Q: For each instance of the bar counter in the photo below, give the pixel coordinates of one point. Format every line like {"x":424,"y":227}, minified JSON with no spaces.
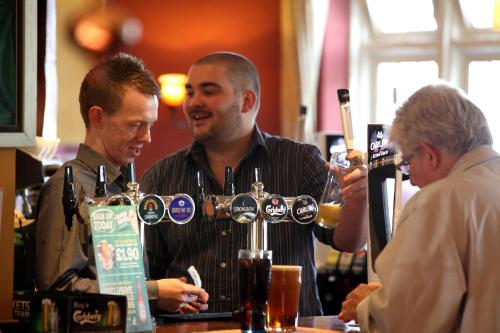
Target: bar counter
{"x":306,"y":324}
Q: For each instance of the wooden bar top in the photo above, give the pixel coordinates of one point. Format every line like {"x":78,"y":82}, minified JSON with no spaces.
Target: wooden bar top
{"x":326,"y":324}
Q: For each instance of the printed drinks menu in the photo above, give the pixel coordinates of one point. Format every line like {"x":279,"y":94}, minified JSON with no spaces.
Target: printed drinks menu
{"x":119,"y":261}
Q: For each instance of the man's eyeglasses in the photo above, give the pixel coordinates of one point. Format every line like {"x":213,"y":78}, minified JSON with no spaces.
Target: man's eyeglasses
{"x":404,"y":165}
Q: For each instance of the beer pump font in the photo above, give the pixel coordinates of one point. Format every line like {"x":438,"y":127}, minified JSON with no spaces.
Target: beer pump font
{"x":151,"y":208}
{"x":257,"y":208}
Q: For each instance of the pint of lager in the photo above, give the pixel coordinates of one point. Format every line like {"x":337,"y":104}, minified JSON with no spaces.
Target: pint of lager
{"x":283,"y":302}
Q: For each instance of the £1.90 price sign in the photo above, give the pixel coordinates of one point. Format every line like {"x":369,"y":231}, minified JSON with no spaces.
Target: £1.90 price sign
{"x":127,"y":254}
{"x":120,"y":267}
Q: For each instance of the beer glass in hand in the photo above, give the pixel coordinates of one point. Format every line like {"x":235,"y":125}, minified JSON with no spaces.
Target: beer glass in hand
{"x":284,"y":295}
{"x":343,"y":165}
{"x":255,"y":274}
{"x":331,"y":202}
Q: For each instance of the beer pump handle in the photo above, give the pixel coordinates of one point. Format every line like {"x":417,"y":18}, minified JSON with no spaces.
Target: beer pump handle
{"x":69,"y":198}
{"x":199,"y":195}
{"x":345,"y":114}
{"x":257,"y":175}
{"x":100,"y":184}
{"x":130,"y":172}
{"x":229,"y":181}
{"x":199,"y":179}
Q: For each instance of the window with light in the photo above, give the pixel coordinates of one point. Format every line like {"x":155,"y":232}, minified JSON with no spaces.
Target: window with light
{"x":397,"y":46}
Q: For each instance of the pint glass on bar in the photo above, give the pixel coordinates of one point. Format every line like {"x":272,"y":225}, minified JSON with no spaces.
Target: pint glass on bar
{"x":45,"y":314}
{"x":283,"y":302}
{"x":254,"y":274}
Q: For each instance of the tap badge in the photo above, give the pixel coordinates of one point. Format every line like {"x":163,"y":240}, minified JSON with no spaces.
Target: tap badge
{"x":181,"y":209}
{"x":304,"y":209}
{"x":151,"y":209}
{"x":274,"y":208}
{"x":244,"y":208}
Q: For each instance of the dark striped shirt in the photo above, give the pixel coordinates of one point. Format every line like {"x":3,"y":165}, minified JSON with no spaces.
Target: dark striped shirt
{"x":287,"y":168}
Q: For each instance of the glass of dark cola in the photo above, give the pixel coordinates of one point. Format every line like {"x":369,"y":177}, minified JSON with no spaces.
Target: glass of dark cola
{"x":254,"y":268}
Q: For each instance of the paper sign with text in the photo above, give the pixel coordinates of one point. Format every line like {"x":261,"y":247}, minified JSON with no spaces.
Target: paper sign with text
{"x":119,"y":261}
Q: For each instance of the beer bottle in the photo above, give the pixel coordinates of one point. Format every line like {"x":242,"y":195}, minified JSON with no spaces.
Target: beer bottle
{"x":141,"y":306}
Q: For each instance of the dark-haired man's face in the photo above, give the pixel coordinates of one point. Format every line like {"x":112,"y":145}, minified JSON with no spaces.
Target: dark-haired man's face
{"x":124,"y":133}
{"x":212,"y":106}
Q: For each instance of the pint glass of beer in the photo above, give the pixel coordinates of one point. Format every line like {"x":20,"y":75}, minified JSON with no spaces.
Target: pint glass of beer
{"x":254,"y":276}
{"x":283,"y":302}
{"x":331,"y":202}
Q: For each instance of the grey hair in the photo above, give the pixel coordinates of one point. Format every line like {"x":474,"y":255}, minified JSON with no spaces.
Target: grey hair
{"x":443,"y":117}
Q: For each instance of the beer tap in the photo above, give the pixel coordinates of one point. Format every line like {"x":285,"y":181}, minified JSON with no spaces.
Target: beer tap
{"x":258,"y":207}
{"x":131,"y":196}
{"x":257,"y":233}
{"x":130,"y":173}
{"x":134,"y":194}
{"x":229,"y":189}
{"x":257,"y":175}
{"x":229,"y":181}
{"x":69,"y":198}
{"x":151,"y":208}
{"x":178,"y":208}
{"x":71,"y":206}
{"x":199,"y":196}
{"x":218,"y":207}
{"x":132,"y":185}
{"x":100,"y":185}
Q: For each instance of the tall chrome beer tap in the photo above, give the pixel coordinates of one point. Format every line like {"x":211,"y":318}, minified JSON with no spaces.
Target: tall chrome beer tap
{"x":257,"y":208}
{"x":257,"y":233}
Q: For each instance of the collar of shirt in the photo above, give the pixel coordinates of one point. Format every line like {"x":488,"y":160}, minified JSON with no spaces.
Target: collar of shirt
{"x":474,"y":157}
{"x":197,"y":152}
{"x":93,"y":159}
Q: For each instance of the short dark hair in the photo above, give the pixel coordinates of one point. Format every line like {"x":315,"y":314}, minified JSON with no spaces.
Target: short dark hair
{"x":104,"y":84}
{"x":241,"y":71}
